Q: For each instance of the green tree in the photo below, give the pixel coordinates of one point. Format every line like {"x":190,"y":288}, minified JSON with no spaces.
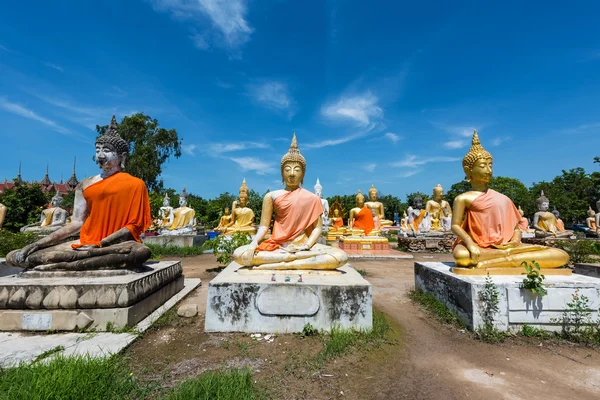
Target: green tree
{"x":411,"y":196}
{"x":511,"y":187}
{"x":150,"y":147}
{"x":456,"y":189}
{"x":597,"y":160}
{"x":391,"y":204}
{"x":24,"y":205}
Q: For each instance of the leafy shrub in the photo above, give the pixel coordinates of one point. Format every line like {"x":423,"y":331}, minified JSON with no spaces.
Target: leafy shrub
{"x":10,"y":241}
{"x":224,"y":246}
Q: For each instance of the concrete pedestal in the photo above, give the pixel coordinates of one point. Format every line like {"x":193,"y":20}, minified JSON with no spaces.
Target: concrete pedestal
{"x":460,"y":293}
{"x":588,"y":269}
{"x":441,"y":243}
{"x":243,"y":300}
{"x":176,"y":240}
{"x":41,"y":301}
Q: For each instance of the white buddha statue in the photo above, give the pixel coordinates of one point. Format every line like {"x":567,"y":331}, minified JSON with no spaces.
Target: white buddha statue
{"x":419,"y":219}
{"x":51,"y":219}
{"x":184,"y":218}
{"x":325,"y":203}
{"x":165,"y":213}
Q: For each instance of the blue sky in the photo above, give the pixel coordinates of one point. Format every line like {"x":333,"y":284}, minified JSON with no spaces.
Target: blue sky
{"x":383,"y":93}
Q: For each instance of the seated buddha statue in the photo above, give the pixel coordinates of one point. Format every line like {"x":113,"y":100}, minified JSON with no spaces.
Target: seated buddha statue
{"x":184,"y":218}
{"x":360,"y":220}
{"x":337,"y":228}
{"x":2,"y":214}
{"x":165,"y":213}
{"x":225,"y":221}
{"x":298,"y":224}
{"x":404,"y":224}
{"x":110,"y":212}
{"x":51,"y":218}
{"x":545,"y":223}
{"x":373,"y":204}
{"x":439,"y":210}
{"x":419,"y":219}
{"x":325,"y":203}
{"x":488,"y":224}
{"x":242,"y":218}
{"x":591,"y":220}
{"x":597,"y":218}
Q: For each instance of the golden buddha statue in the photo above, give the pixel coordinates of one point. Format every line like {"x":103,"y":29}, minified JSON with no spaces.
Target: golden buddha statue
{"x":439,"y":210}
{"x":404,"y":225}
{"x":298,"y":224}
{"x":184,"y":218}
{"x":487,"y":225}
{"x":2,"y":214}
{"x":591,"y":220}
{"x":373,"y":204}
{"x":560,"y":225}
{"x":242,"y":217}
{"x":51,"y":219}
{"x":225,"y":221}
{"x":337,"y":228}
{"x":165,"y":213}
{"x":545,"y":223}
{"x":597,"y":218}
{"x":360,"y":220}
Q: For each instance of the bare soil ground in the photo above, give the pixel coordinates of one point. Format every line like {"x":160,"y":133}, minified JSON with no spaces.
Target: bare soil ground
{"x":427,"y":361}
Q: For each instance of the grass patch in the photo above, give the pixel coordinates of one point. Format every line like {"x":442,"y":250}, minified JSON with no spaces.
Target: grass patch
{"x":167,"y":319}
{"x":158,"y":252}
{"x":72,"y":378}
{"x":48,"y":353}
{"x":362,"y":272}
{"x":435,"y":307}
{"x":403,"y":249}
{"x":392,"y":238}
{"x":224,"y":385}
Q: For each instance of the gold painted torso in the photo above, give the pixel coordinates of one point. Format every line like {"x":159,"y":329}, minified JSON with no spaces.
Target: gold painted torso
{"x":375,"y":205}
{"x":47,"y":214}
{"x":244,"y":217}
{"x":547,"y":221}
{"x":182,"y":217}
{"x":164,"y":215}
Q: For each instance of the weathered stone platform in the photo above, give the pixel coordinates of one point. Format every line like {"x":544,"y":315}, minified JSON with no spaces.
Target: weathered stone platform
{"x":245,"y":300}
{"x":427,"y":244}
{"x":460,"y":293}
{"x":176,"y":240}
{"x":588,"y":269}
{"x":41,"y":301}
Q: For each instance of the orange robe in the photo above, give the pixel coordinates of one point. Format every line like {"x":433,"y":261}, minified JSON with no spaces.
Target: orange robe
{"x":119,"y":201}
{"x":492,"y":219}
{"x":338,"y":223}
{"x":364,"y":220}
{"x":295,"y":211}
{"x":417,"y":221}
{"x":560,"y":225}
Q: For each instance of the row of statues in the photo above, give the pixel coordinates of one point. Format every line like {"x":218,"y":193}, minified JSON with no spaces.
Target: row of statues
{"x":241,"y":218}
{"x":178,"y":221}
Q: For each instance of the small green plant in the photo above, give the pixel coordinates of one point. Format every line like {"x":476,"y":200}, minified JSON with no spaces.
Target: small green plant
{"x":309,"y":330}
{"x":48,"y":353}
{"x":224,"y":246}
{"x":530,"y":331}
{"x":362,"y":272}
{"x":243,"y":347}
{"x":225,"y":385}
{"x":158,"y":252}
{"x":533,"y":280}
{"x":489,"y":298}
{"x":577,"y":321}
{"x":436,"y":307}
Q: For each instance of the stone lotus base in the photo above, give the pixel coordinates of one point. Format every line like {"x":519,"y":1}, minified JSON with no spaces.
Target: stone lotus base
{"x":176,"y":240}
{"x":244,"y":300}
{"x":441,"y":243}
{"x":96,"y":299}
{"x":460,"y":293}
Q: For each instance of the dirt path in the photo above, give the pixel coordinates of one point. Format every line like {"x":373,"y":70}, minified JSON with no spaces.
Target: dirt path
{"x":431,"y":361}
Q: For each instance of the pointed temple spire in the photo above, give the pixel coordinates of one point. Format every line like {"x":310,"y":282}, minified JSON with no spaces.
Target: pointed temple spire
{"x":46,"y":181}
{"x":19,"y":179}
{"x":72,"y":182}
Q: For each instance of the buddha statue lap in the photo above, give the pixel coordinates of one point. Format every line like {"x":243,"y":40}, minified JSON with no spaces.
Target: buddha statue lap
{"x":545,"y":222}
{"x":591,"y":220}
{"x":489,"y":227}
{"x":597,"y":221}
{"x":360,"y":220}
{"x":165,"y":213}
{"x":325,"y":204}
{"x":377,"y":206}
{"x":110,"y":212}
{"x":298,"y":224}
{"x":184,"y":218}
{"x":439,"y":210}
{"x":419,"y":219}
{"x":52,"y":218}
{"x":225,"y":221}
{"x":242,"y":216}
{"x":2,"y":214}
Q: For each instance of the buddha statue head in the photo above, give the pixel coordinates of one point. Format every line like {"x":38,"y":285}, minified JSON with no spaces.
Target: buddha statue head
{"x":56,"y":200}
{"x":336,"y":212}
{"x":293,"y":166}
{"x":318,"y":189}
{"x":360,"y":199}
{"x":111,"y":150}
{"x":226,"y":211}
{"x":166,"y":200}
{"x":183,"y":198}
{"x":477,"y":163}
{"x":244,"y":188}
{"x":556,"y":213}
{"x":438,"y":193}
{"x":243,"y":200}
{"x":542,"y":202}
{"x":418,"y":202}
{"x":373,"y":193}
{"x":590,"y":212}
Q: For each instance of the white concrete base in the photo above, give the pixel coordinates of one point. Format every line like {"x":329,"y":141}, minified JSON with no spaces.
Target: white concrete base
{"x":243,"y":300}
{"x":16,"y":347}
{"x":175,"y":240}
{"x":517,"y":306}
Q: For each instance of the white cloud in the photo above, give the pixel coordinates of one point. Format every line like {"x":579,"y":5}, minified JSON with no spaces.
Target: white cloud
{"x":413,"y":161}
{"x":200,"y":41}
{"x":222,"y":84}
{"x":393,"y":137}
{"x":29,"y":114}
{"x":360,"y":109}
{"x":409,"y":173}
{"x":54,"y":66}
{"x":227,"y":17}
{"x":253,"y":164}
{"x":116,"y":92}
{"x":455,"y":144}
{"x":220,"y":148}
{"x":272,"y":94}
{"x":342,"y":140}
{"x":369,"y":167}
{"x":499,"y":140}
{"x":460,"y":130}
{"x":189,"y":149}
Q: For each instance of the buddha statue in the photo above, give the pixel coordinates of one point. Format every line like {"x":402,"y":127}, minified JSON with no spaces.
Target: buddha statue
{"x":165,"y":213}
{"x":298,"y":224}
{"x":51,"y":219}
{"x":337,"y":227}
{"x":545,"y":223}
{"x":439,"y":210}
{"x":225,"y":221}
{"x":404,"y":224}
{"x":373,"y":204}
{"x":242,"y":218}
{"x":488,"y":225}
{"x":184,"y":218}
{"x":526,"y":220}
{"x":591,"y":220}
{"x":360,"y":220}
{"x":419,"y":219}
{"x":597,"y":218}
{"x":2,"y":214}
{"x":325,"y":203}
{"x":110,"y":212}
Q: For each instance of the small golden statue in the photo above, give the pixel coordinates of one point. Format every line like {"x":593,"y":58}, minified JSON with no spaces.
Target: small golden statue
{"x":488,"y":226}
{"x":165,"y":213}
{"x":298,"y":224}
{"x":591,"y":220}
{"x":597,"y":218}
{"x":2,"y":214}
{"x":242,"y":216}
{"x":184,"y":218}
{"x":337,"y":227}
{"x":439,"y":210}
{"x":225,"y":221}
{"x":377,"y":206}
{"x":360,"y":220}
{"x":545,"y":222}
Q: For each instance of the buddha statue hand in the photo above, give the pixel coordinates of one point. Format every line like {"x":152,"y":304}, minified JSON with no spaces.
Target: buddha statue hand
{"x":507,"y":245}
{"x":248,"y":255}
{"x":475,"y":252}
{"x":292,"y":248}
{"x":21,"y":255}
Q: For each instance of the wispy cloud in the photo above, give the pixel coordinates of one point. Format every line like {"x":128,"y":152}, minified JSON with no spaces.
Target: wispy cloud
{"x":360,"y":109}
{"x":392,"y":137}
{"x":455,"y":144}
{"x":18,"y":109}
{"x":274,"y":95}
{"x":459,"y":134}
{"x":220,"y":148}
{"x":253,"y":164}
{"x":222,"y":84}
{"x":413,"y":161}
{"x":230,"y":29}
{"x":116,"y":91}
{"x":335,"y":142}
{"x":408,"y":174}
{"x":499,"y":140}
{"x":54,"y":66}
{"x":369,"y":167}
{"x":595,"y":126}
{"x":189,"y":149}
{"x":200,"y":41}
